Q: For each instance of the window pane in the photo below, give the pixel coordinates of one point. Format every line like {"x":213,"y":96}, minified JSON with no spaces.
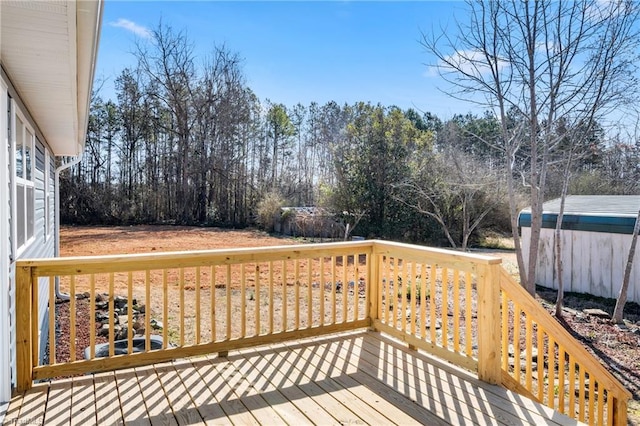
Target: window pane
{"x":20,"y":216}
{"x":28,"y":155}
{"x":19,"y":148}
{"x":30,"y":212}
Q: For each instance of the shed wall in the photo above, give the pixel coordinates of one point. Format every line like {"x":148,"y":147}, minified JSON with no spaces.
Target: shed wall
{"x":593,"y":262}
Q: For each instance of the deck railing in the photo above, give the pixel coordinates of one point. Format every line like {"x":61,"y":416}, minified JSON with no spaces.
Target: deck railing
{"x":456,"y":305}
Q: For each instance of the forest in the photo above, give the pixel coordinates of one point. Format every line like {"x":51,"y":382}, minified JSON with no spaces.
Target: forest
{"x":186,"y":141}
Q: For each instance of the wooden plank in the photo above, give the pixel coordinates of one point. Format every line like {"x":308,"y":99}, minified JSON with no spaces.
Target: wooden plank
{"x":468,"y":315}
{"x":244,"y":392}
{"x":312,"y":407}
{"x":58,"y":411}
{"x":285,"y":299}
{"x":456,"y":310}
{"x":261,"y":385}
{"x":403,"y":284}
{"x":317,"y":388}
{"x":203,"y":398}
{"x":165,"y":309}
{"x":130,"y":313}
{"x":310,"y":303}
{"x":271,"y":298}
{"x":489,"y":324}
{"x":148,"y":299}
{"x":432,"y":303}
{"x":444,"y":316}
{"x":184,"y":410}
{"x":243,"y":302}
{"x":198,"y":302}
{"x":52,"y":320}
{"x":156,"y":402}
{"x":24,"y":365}
{"x":361,"y":401}
{"x":212,"y":303}
{"x":138,"y":262}
{"x":107,"y":402}
{"x":111,"y":314}
{"x":228,"y":301}
{"x":31,"y":405}
{"x":132,"y":402}
{"x":83,"y":408}
{"x":461,"y":385}
{"x":414,"y":295}
{"x":257,"y":298}
{"x":322,"y":292}
{"x":216,"y":376}
{"x":296,"y":287}
{"x":345,"y":286}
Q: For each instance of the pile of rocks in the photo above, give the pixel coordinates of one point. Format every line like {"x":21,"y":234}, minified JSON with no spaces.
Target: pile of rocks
{"x":121,"y":309}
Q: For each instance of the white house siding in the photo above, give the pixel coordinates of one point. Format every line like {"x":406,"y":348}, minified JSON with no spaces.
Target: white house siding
{"x":5,"y":244}
{"x":594,"y":262}
{"x":40,"y":246}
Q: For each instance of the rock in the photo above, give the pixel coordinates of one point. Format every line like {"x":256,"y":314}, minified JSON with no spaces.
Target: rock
{"x":120,"y":301}
{"x":101,"y":317}
{"x":597,"y":313}
{"x":121,"y":334}
{"x":104,"y":330}
{"x":570,"y":311}
{"x":137,"y":326}
{"x":156,"y":325}
{"x":141,"y":308}
{"x":86,"y":294}
{"x":100,"y":298}
{"x":102,"y":305}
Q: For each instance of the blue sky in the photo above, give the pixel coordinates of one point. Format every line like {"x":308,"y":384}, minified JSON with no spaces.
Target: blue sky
{"x":346,"y":51}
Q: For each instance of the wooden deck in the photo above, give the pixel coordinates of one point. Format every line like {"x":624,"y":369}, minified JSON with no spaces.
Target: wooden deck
{"x":351,"y":378}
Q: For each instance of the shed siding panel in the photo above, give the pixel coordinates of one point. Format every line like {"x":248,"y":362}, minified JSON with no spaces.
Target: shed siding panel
{"x":594,"y":262}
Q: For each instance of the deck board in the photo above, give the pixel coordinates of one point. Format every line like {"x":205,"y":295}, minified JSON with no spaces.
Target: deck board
{"x":357,"y":377}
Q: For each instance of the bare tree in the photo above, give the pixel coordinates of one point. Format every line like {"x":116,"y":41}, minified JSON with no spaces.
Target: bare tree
{"x":540,"y":62}
{"x":622,"y":295}
{"x":453,"y":188}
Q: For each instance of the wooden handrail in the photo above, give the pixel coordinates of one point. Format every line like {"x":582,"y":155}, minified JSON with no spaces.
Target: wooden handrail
{"x":571,"y":347}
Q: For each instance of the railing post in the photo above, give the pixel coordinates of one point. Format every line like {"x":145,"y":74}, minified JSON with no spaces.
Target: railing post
{"x":489,"y":327}
{"x":24,"y":360}
{"x":373,"y":287}
{"x":619,"y":412}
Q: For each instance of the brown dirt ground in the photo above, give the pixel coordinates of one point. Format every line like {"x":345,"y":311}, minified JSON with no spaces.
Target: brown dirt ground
{"x":617,"y":347}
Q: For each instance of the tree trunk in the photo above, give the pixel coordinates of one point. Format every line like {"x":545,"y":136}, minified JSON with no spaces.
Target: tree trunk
{"x":622,"y":296}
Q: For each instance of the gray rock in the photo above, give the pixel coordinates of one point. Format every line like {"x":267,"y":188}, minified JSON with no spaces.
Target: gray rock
{"x":120,"y":301}
{"x":597,"y":313}
{"x":101,"y":317}
{"x":141,"y":308}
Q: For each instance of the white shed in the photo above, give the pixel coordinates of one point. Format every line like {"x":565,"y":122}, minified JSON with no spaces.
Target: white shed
{"x":596,"y":236}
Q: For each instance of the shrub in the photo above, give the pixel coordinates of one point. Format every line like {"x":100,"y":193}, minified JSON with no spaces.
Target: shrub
{"x":269,"y":209}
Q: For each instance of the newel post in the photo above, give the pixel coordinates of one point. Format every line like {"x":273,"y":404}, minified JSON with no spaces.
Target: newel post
{"x":373,"y":286}
{"x":24,"y":360}
{"x":489,"y":327}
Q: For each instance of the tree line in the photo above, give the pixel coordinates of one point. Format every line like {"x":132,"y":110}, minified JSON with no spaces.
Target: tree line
{"x":186,"y":141}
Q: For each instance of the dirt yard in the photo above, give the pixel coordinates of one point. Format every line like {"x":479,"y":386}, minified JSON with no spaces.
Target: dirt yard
{"x":618,"y":347}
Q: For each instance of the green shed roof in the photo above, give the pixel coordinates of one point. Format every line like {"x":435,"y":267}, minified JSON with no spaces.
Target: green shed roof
{"x":594,"y":213}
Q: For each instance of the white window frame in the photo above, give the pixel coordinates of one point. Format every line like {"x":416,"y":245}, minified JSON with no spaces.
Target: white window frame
{"x":22,"y":182}
{"x":47,"y":193}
